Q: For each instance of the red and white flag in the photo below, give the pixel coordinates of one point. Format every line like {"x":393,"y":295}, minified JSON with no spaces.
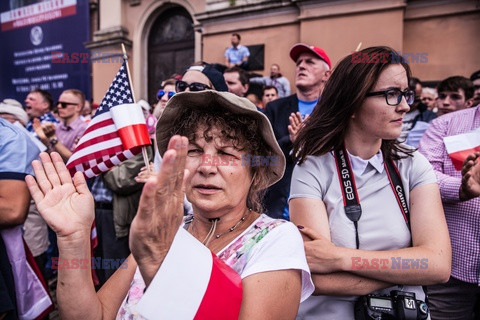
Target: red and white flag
{"x":32,"y":297}
{"x":192,"y":283}
{"x":116,"y":132}
{"x":460,"y":146}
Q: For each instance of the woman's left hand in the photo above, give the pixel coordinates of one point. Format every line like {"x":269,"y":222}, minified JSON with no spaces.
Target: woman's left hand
{"x":322,"y":255}
{"x":144,"y":173}
{"x":160,"y":211}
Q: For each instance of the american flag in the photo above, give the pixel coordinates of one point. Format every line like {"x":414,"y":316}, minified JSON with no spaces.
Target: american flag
{"x":116,"y":132}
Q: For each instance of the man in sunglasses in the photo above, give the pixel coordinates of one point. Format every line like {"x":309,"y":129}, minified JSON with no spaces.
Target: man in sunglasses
{"x":163,"y":95}
{"x":63,"y":137}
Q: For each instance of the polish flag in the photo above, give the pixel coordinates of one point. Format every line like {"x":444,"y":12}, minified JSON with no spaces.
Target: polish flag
{"x":462,"y":145}
{"x":192,"y":283}
{"x":116,"y":132}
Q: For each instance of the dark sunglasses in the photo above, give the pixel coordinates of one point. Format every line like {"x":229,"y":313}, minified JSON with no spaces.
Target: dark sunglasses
{"x":63,"y":105}
{"x":161,"y":93}
{"x":393,"y":97}
{"x":181,"y":86}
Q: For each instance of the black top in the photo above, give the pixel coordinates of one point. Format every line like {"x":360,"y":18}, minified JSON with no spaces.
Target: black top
{"x":278,"y":112}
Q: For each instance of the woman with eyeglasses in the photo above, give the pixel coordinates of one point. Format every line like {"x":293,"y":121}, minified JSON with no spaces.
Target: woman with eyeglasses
{"x":368,"y":206}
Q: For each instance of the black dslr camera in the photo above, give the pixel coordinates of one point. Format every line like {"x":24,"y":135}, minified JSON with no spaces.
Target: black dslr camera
{"x":399,"y":305}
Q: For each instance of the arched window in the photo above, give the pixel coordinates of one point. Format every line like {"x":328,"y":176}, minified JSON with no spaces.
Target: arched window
{"x":170,"y":47}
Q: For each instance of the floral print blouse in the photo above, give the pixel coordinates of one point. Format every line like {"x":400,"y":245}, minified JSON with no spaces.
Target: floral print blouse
{"x":236,"y":255}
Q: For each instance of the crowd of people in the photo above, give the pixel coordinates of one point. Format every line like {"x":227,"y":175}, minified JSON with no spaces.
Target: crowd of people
{"x":339,"y":201}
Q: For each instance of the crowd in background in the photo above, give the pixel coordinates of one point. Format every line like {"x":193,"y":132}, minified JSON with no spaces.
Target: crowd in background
{"x":307,"y":125}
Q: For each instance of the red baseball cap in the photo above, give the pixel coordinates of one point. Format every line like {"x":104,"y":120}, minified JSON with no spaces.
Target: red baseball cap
{"x":299,"y":48}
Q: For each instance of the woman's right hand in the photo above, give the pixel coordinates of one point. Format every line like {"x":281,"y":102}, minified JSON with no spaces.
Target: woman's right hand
{"x":160,"y":211}
{"x":65,"y":204}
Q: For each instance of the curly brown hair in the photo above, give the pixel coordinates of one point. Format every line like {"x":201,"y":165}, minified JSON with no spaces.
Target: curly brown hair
{"x":241,"y":130}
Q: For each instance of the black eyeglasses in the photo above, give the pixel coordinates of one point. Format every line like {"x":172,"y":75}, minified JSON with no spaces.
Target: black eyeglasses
{"x":161,"y":93}
{"x":181,"y":86}
{"x":63,"y":105}
{"x":393,"y":97}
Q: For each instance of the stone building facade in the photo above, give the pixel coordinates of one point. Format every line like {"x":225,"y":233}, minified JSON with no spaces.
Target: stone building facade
{"x":165,"y":36}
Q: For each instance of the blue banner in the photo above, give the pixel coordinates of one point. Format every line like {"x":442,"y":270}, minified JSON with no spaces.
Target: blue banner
{"x":36,"y":35}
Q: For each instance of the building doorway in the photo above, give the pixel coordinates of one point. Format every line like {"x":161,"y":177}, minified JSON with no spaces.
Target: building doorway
{"x":171,"y":45}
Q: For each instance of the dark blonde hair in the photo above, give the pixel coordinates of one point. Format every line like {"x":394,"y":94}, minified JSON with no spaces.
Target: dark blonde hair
{"x":343,"y":95}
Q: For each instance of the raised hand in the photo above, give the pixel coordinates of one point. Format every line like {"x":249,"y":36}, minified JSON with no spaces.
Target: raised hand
{"x":66,"y":205}
{"x":296,"y":124}
{"x":470,"y":187}
{"x":49,"y":129}
{"x":160,"y":211}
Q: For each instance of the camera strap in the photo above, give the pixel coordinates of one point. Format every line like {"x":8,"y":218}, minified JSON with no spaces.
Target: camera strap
{"x":351,"y":201}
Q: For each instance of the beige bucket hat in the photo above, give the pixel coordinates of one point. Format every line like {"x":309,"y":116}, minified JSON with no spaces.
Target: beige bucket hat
{"x":225,"y":100}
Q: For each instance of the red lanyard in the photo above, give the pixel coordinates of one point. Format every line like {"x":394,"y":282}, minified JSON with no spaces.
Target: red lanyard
{"x":351,"y":201}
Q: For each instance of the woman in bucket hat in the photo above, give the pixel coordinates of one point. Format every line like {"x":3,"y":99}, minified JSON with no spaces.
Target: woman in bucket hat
{"x":226,"y":261}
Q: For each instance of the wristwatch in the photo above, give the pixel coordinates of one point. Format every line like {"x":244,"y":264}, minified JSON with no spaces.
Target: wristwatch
{"x":53,"y":141}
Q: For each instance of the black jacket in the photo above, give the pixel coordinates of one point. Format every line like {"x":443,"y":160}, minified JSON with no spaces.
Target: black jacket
{"x":278,"y":112}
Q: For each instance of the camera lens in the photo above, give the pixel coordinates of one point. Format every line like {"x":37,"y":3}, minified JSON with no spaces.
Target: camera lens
{"x":423,"y":308}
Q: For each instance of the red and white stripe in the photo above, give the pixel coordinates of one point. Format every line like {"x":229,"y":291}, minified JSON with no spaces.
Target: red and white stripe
{"x":192,"y":283}
{"x":32,"y":298}
{"x":460,"y":146}
{"x":37,"y":13}
{"x":110,"y":138}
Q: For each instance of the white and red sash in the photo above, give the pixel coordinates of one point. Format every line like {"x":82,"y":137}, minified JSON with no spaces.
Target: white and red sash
{"x":208,"y":289}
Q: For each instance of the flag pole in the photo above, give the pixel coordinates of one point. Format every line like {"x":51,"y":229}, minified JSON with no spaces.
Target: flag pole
{"x":144,"y":149}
